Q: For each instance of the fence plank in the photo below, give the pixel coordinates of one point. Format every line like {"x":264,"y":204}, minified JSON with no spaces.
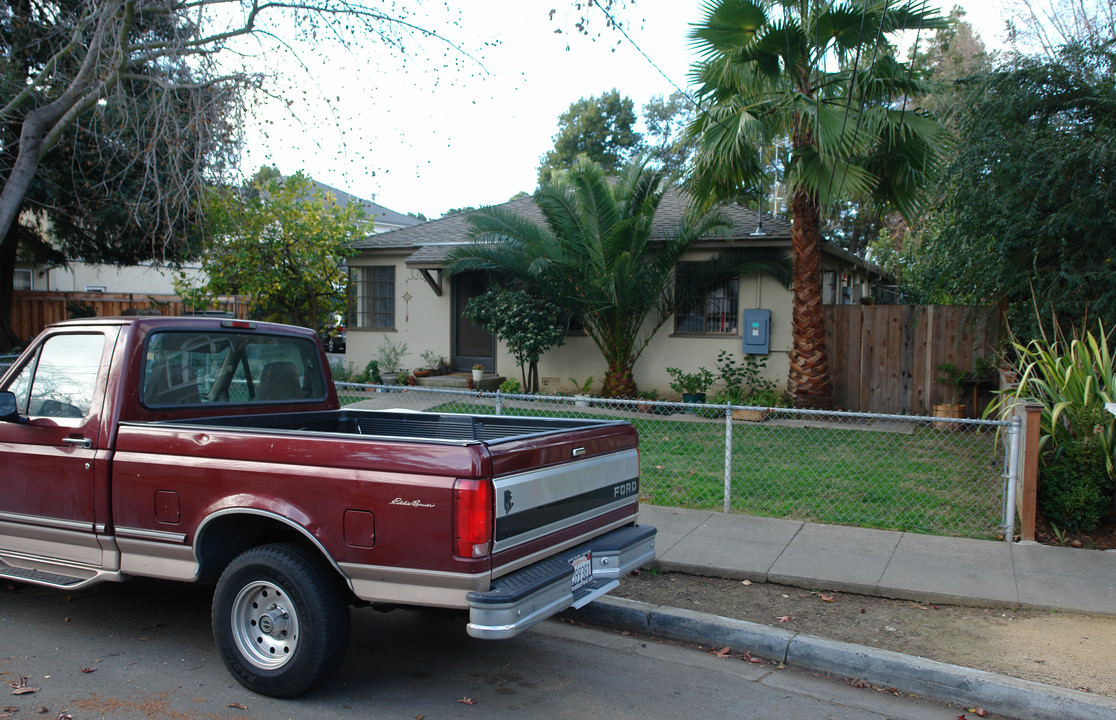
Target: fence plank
{"x":33,"y":311}
{"x":886,"y":358}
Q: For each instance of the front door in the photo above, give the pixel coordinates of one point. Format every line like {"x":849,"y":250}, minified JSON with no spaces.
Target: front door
{"x":472,"y":344}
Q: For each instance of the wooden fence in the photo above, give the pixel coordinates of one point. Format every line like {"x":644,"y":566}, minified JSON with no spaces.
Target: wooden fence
{"x":33,"y":311}
{"x":885,"y":358}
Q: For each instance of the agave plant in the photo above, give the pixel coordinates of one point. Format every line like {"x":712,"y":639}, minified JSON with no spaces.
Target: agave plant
{"x":1073,"y":379}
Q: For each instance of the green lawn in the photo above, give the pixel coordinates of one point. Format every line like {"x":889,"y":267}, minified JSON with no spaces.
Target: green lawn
{"x":927,"y":481}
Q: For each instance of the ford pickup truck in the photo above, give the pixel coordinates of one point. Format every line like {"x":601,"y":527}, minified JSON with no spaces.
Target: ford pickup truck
{"x":209,"y":450}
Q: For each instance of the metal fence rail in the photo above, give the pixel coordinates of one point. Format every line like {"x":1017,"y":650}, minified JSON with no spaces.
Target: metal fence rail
{"x":896,"y":472}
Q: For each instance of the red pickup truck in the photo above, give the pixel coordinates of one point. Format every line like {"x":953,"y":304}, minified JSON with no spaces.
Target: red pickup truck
{"x":208,"y":450}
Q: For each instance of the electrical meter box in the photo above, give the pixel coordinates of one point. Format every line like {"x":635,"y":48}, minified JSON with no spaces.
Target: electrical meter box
{"x":757,"y":332}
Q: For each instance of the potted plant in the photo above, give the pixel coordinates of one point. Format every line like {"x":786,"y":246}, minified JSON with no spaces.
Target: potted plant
{"x":763,"y":401}
{"x":951,"y":375}
{"x":649,"y":396}
{"x":581,"y":391}
{"x":389,"y":356}
{"x":478,"y":374}
{"x":433,"y":364}
{"x":691,"y":386}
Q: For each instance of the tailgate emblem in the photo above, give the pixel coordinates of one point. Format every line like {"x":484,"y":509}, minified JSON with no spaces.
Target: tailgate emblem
{"x":507,"y":501}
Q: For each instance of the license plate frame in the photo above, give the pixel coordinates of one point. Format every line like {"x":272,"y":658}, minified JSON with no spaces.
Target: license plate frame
{"x":583,"y":570}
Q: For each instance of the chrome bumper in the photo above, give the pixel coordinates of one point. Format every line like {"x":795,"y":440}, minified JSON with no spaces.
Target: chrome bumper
{"x":522,"y":598}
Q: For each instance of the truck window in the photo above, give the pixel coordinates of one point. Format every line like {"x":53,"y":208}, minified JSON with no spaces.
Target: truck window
{"x":60,"y":379}
{"x":230,"y":368}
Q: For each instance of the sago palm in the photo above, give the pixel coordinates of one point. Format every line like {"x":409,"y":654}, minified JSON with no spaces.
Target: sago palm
{"x":596,"y":256}
{"x":820,"y":77}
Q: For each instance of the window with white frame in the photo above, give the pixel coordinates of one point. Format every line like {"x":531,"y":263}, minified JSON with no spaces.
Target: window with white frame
{"x":21,"y":281}
{"x":372,"y":297}
{"x":96,"y":288}
{"x":714,"y":312}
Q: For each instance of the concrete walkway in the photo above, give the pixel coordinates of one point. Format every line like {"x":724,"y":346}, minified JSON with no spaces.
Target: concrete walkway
{"x":910,"y":566}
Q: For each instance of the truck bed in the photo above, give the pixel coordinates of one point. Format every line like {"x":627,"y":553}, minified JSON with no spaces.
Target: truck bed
{"x":406,"y":425}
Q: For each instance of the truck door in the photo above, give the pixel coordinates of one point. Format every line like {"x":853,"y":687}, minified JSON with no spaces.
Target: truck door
{"x":47,"y":504}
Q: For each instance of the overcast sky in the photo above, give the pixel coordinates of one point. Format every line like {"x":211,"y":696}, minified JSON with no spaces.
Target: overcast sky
{"x":439,"y":130}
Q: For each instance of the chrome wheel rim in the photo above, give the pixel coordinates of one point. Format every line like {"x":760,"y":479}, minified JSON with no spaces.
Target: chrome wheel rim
{"x":265,"y":625}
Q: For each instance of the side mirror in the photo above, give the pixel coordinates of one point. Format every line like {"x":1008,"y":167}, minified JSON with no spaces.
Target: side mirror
{"x":8,"y":411}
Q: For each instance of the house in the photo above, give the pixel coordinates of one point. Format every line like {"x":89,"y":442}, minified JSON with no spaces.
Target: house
{"x":153,"y":278}
{"x":398,"y":291}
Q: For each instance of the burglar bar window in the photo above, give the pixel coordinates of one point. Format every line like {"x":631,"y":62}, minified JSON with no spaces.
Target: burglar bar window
{"x":372,"y":297}
{"x":715,"y":312}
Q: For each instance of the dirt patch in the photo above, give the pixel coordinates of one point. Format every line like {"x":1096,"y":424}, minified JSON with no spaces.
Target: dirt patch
{"x":1069,"y":650}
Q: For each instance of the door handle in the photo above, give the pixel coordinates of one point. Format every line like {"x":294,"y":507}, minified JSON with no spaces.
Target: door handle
{"x":78,"y":442}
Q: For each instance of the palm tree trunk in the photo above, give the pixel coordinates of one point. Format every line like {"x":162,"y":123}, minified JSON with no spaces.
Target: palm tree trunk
{"x":808,"y":383}
{"x":618,"y":381}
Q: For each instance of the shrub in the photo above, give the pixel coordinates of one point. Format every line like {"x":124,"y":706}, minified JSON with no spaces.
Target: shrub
{"x":1075,"y":488}
{"x":1072,"y":378}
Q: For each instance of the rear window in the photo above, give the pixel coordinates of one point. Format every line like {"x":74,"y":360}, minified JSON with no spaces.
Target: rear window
{"x":230,"y":368}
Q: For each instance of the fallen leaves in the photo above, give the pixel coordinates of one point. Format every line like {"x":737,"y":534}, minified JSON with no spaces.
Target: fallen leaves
{"x":467,"y":701}
{"x":88,"y":670}
{"x":237,"y":706}
{"x":978,"y":711}
{"x":20,"y":687}
{"x":751,"y":658}
{"x":722,"y":653}
{"x":783,"y":618}
{"x":825,"y":598}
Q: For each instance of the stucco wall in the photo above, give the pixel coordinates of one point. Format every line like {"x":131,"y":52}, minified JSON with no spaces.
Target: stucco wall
{"x":423,"y":322}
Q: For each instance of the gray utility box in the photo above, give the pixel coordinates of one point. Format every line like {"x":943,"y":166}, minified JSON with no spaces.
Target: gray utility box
{"x":757,"y":332}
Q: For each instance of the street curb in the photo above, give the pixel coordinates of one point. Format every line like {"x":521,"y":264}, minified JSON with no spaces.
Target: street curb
{"x":999,"y":694}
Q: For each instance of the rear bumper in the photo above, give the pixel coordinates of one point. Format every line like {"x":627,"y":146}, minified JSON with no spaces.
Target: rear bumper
{"x":522,"y":598}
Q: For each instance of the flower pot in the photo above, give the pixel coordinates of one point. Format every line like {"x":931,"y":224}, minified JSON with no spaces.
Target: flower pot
{"x":948,"y":410}
{"x":693,"y":397}
{"x":581,"y":400}
{"x":421,"y":373}
{"x":750,"y":415}
{"x":478,"y":375}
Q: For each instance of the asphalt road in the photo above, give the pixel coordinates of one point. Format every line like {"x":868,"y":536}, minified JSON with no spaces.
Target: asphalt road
{"x":144,"y":650}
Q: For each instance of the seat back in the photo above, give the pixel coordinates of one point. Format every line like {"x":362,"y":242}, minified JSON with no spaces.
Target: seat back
{"x":279,"y":381}
{"x":169,"y":383}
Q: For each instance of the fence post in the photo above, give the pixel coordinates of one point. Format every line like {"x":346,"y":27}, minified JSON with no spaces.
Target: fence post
{"x":1015,"y":431}
{"x":728,"y":457}
{"x":499,"y":402}
{"x":1028,"y":490}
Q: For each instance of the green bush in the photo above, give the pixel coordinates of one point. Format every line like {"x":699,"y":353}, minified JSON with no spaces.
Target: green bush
{"x":1075,"y":492}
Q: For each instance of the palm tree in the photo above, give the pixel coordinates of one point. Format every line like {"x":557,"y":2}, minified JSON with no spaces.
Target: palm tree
{"x":595,"y":256}
{"x":820,"y":77}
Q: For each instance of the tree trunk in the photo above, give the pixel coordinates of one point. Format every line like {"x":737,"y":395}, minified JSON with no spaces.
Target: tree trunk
{"x":618,"y":381}
{"x":8,"y":339}
{"x":808,"y":383}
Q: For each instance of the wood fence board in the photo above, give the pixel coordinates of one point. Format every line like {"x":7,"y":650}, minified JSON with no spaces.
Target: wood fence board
{"x":906,"y":359}
{"x":33,"y":311}
{"x":886,"y":358}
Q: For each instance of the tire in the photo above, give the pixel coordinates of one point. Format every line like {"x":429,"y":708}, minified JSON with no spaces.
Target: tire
{"x":280,"y":619}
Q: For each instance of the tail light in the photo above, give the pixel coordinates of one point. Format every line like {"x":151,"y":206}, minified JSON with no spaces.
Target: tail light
{"x":472,"y":502}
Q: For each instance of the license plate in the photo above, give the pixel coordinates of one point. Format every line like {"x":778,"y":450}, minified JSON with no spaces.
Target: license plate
{"x":582,"y":570}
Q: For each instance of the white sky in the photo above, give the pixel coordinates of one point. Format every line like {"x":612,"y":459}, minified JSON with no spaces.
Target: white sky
{"x":439,"y":131}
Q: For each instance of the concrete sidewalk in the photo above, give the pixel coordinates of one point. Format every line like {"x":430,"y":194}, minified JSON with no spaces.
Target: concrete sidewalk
{"x":910,"y":566}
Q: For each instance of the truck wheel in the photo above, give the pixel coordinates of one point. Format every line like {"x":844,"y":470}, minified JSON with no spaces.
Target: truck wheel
{"x":280,"y":619}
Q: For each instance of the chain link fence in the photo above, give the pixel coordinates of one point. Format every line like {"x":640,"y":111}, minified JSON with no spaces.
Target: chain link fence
{"x":895,"y":472}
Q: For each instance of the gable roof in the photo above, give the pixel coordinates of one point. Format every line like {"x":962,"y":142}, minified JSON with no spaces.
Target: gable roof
{"x":377,"y":213}
{"x":433,"y":240}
